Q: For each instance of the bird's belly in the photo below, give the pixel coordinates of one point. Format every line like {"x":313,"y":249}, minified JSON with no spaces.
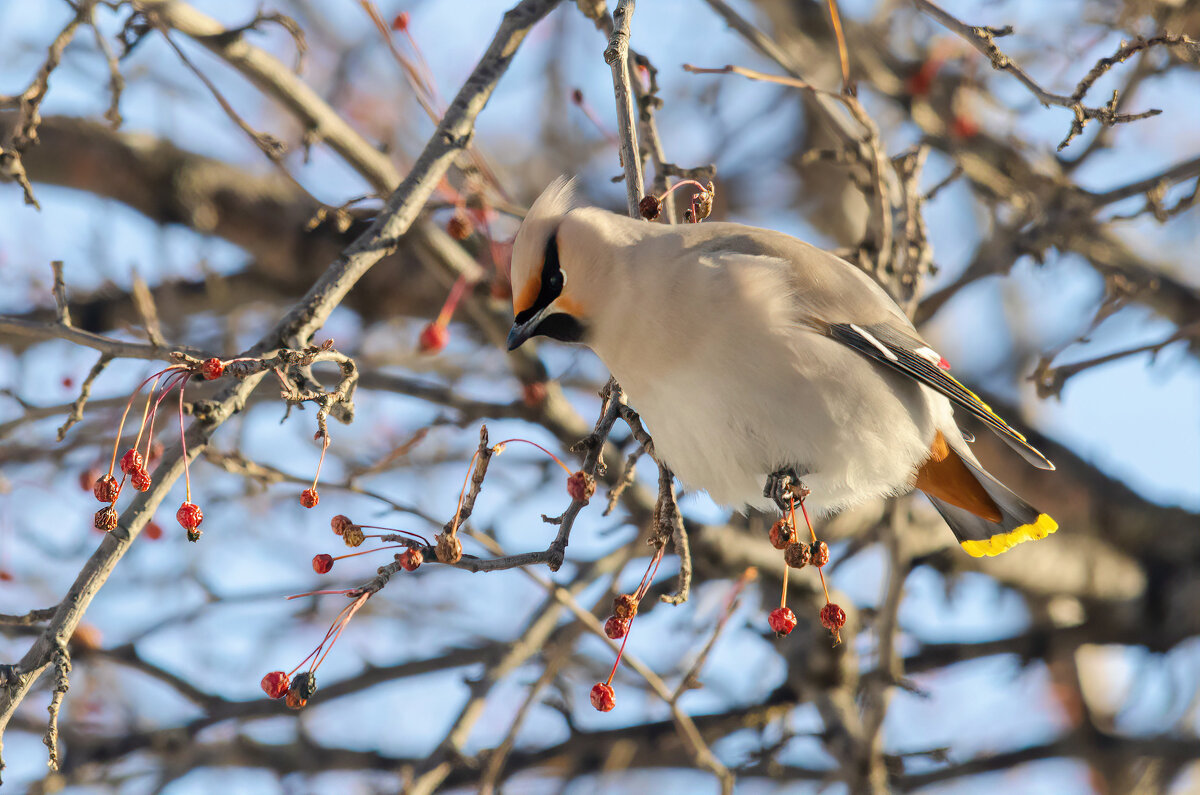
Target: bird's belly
{"x":853,"y":434}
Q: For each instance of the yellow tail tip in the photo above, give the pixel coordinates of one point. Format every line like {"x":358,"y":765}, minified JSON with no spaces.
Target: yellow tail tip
{"x":1002,"y":542}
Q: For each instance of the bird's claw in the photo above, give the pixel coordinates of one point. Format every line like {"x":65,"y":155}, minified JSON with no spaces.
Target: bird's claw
{"x":783,"y":486}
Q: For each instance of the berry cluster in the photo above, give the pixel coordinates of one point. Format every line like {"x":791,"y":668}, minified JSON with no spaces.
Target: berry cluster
{"x":797,"y":555}
{"x":297,"y":691}
{"x":353,"y":536}
{"x":625,"y":610}
{"x":700,"y":207}
{"x":133,"y":464}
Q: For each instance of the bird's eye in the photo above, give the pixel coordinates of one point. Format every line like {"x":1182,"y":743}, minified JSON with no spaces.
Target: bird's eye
{"x":555,"y":281}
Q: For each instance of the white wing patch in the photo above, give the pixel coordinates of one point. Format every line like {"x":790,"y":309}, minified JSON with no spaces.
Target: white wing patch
{"x":879,"y":346}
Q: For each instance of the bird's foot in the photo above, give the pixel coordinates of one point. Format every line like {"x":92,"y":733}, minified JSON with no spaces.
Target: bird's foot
{"x":783,"y":486}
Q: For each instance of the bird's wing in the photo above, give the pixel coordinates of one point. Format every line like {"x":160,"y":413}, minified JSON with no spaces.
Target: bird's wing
{"x":836,"y":298}
{"x":895,"y":348}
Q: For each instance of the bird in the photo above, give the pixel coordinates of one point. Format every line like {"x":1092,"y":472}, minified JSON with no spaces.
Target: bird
{"x":764,"y":367}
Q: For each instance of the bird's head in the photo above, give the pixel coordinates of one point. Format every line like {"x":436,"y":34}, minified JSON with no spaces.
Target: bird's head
{"x":546,"y":300}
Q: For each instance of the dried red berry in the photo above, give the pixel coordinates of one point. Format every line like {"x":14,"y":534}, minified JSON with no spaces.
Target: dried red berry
{"x":603,"y":697}
{"x":782,"y":534}
{"x":322,"y":563}
{"x":131,"y":462}
{"x":106,"y":518}
{"x":459,"y":227}
{"x":309,"y":498}
{"x":533,"y":394}
{"x":212,"y":369}
{"x":106,"y":489}
{"x":797,"y":555}
{"x":577,"y":96}
{"x":616,"y":628}
{"x":140,"y":479}
{"x":275,"y":684}
{"x":87,"y":478}
{"x":650,"y":207}
{"x":294,"y":700}
{"x":964,"y":126}
{"x":449,"y":548}
{"x":339,"y":524}
{"x":353,"y":535}
{"x":433,"y":338}
{"x":411,"y":559}
{"x":625,"y":606}
{"x":820,"y":553}
{"x":400,"y":23}
{"x":833,"y":617}
{"x":782,"y":621}
{"x":153,"y":531}
{"x":189,"y":515}
{"x":581,"y":486}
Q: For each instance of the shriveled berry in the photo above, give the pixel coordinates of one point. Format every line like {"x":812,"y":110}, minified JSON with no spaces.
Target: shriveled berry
{"x":153,"y":531}
{"x":625,"y":606}
{"x":782,"y":534}
{"x":212,"y":369}
{"x":194,"y":535}
{"x":275,"y":684}
{"x":353,"y":535}
{"x":459,"y":227}
{"x":833,"y":617}
{"x":433,"y":338}
{"x":339,"y":524}
{"x":820,"y":553}
{"x":400,"y":23}
{"x":603,"y":697}
{"x":106,"y":488}
{"x":581,"y":486}
{"x":189,"y":515}
{"x":411,"y":559}
{"x":650,"y":207}
{"x":797,"y":555}
{"x":131,"y":462}
{"x":449,"y":548}
{"x":140,"y":479}
{"x":616,"y":628}
{"x":782,"y":621}
{"x":306,"y":684}
{"x":322,"y":563}
{"x":294,"y":700}
{"x":309,"y":498}
{"x":106,"y":518}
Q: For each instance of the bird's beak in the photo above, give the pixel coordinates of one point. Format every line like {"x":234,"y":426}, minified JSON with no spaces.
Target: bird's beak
{"x":523,"y":331}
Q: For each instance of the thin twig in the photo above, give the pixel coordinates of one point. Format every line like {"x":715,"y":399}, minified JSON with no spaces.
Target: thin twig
{"x":617,"y":57}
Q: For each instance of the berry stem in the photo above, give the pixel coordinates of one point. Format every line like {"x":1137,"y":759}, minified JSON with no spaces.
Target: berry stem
{"x":129,"y":404}
{"x":322,"y":593}
{"x":462,"y":494}
{"x":353,"y":608}
{"x":456,"y":294}
{"x":369,"y":551}
{"x":187,"y":479}
{"x":680,"y":184}
{"x":321,"y":460}
{"x":813,"y":533}
{"x":416,"y":536}
{"x":557,"y":460}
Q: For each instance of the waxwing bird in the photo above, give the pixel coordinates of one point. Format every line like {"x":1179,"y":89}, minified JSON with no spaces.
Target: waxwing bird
{"x":755,"y":358}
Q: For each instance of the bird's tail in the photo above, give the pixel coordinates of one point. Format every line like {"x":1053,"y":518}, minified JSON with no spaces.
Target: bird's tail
{"x":986,"y":517}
